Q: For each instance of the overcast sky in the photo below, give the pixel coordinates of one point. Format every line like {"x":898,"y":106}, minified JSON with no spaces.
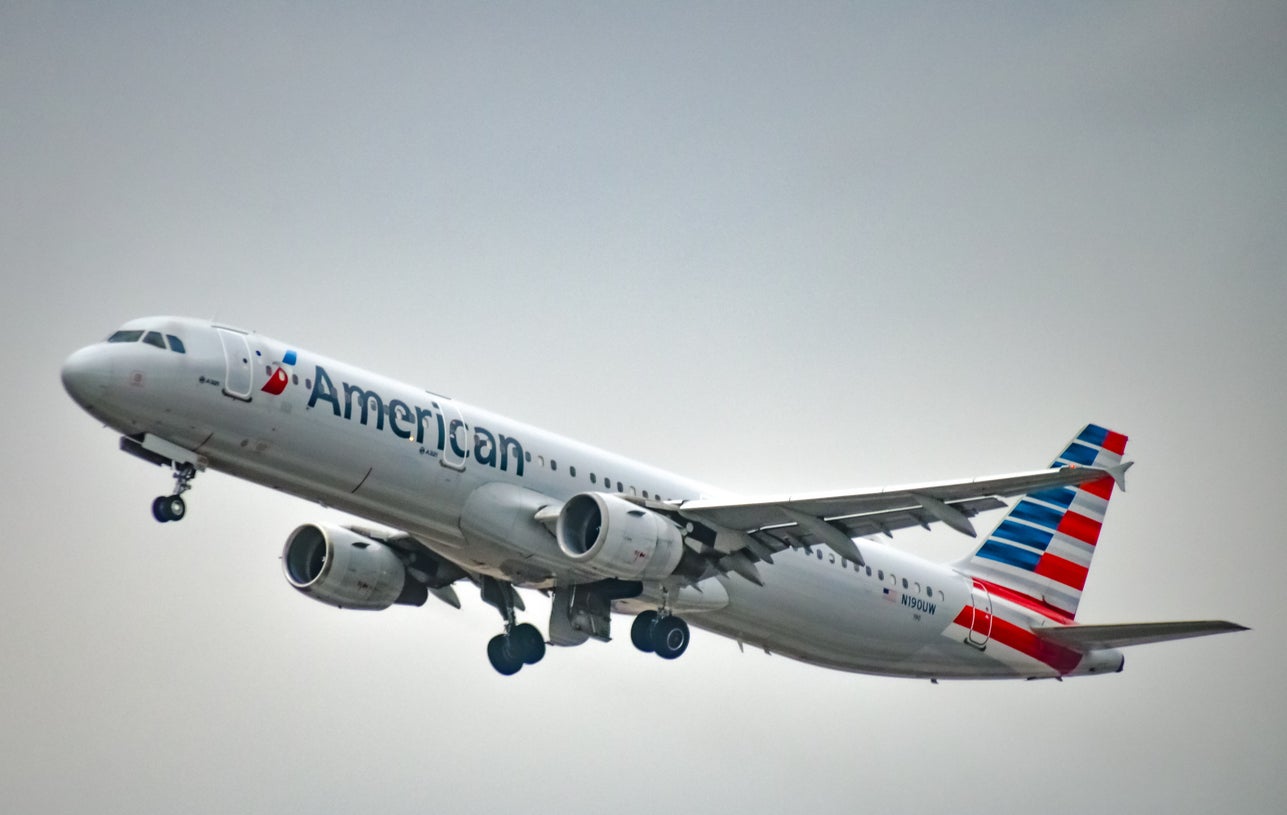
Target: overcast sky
{"x":773,"y":248}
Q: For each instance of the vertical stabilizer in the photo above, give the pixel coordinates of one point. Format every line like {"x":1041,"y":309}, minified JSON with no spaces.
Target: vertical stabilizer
{"x":1042,"y":549}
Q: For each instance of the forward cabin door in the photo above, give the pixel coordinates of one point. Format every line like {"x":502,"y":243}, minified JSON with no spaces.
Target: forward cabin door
{"x":238,"y":378}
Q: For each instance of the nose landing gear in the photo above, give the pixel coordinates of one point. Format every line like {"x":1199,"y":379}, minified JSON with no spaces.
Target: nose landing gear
{"x":172,"y":507}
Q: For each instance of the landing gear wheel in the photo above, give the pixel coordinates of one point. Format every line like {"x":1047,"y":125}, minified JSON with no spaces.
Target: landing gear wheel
{"x":670,"y":637}
{"x":641,"y":631}
{"x":169,"y":508}
{"x":501,"y":654}
{"x":175,"y":508}
{"x":526,"y":640}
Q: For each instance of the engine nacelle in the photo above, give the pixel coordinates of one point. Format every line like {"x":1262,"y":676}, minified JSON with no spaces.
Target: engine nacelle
{"x":344,"y":569}
{"x":615,"y":538}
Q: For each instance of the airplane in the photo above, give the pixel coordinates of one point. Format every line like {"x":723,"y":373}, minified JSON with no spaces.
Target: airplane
{"x":458,"y":494}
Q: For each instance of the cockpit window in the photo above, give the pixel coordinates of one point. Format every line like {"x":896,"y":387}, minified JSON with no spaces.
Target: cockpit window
{"x":151,"y":338}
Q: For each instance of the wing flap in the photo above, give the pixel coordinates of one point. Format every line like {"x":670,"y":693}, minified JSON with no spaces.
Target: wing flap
{"x":1092,"y":637}
{"x":757,"y":528}
{"x":872,"y":504}
{"x":834,"y":519}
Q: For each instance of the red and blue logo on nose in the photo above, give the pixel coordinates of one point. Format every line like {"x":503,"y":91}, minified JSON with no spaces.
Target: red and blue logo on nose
{"x":280,"y":378}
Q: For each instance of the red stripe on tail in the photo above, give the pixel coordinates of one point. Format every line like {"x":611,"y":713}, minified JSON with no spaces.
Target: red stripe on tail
{"x":1115,"y":443}
{"x":1064,"y":660}
{"x":1062,"y":571}
{"x":1101,"y":487}
{"x":1076,"y":525}
{"x":1026,"y":601}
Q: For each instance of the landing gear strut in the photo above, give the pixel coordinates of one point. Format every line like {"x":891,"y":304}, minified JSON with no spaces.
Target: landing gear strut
{"x":521,"y":643}
{"x":663,"y":635}
{"x":172,"y":507}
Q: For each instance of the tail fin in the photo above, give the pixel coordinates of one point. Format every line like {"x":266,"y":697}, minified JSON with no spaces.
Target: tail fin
{"x":1042,"y":549}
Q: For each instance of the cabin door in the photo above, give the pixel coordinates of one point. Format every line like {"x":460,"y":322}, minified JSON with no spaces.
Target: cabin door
{"x":455,"y":448}
{"x":238,"y":377}
{"x":981,"y":621}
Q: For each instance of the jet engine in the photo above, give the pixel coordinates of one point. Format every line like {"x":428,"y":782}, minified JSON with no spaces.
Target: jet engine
{"x":617,"y":539}
{"x":344,"y":569}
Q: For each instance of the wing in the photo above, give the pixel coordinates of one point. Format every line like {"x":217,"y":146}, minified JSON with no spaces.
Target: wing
{"x":1089,"y":637}
{"x":733,"y":535}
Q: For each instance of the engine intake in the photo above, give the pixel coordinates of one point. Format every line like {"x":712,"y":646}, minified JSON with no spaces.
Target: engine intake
{"x":344,"y":569}
{"x":615,"y":538}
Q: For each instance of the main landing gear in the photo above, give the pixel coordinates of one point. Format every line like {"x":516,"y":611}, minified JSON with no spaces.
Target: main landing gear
{"x":662,"y":634}
{"x":521,"y":643}
{"x":172,"y":507}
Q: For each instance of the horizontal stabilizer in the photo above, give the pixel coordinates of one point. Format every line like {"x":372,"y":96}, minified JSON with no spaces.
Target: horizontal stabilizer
{"x":1090,"y":637}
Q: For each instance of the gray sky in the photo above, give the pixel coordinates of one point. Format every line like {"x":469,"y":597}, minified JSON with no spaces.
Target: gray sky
{"x":775,"y":249}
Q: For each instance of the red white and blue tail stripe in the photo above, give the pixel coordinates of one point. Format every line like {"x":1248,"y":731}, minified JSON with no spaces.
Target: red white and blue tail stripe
{"x":1042,"y":549}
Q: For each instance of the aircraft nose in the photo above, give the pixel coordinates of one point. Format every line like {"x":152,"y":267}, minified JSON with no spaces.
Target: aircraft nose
{"x":87,"y":374}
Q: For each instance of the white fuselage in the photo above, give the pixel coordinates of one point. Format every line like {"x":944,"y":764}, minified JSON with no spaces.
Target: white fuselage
{"x":386,"y":451}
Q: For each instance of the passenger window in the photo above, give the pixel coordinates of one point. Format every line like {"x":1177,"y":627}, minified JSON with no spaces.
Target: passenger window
{"x":554,"y":465}
{"x":607,"y":483}
{"x":176,"y":344}
{"x":125,"y":336}
{"x":594,"y":479}
{"x":572,"y":472}
{"x":154,"y":338}
{"x":869,"y":571}
{"x":904,"y":582}
{"x":880,"y":575}
{"x":819,"y":554}
{"x":527,"y":457}
{"x":929,"y":591}
{"x":645,"y":493}
{"x":620,"y":488}
{"x":294,"y":378}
